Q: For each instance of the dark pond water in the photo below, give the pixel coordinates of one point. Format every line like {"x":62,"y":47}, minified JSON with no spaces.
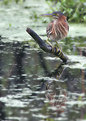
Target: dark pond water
{"x":34,"y":85}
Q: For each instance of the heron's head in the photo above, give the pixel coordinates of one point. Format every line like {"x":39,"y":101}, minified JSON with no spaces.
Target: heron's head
{"x":56,"y":14}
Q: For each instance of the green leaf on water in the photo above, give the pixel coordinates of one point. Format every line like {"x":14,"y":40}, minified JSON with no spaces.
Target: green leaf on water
{"x":10,"y":25}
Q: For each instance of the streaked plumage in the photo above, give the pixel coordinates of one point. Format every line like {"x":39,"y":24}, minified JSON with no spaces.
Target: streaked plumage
{"x":58,"y":28}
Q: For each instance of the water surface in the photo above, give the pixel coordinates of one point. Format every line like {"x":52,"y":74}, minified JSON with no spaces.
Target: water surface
{"x":35,"y":85}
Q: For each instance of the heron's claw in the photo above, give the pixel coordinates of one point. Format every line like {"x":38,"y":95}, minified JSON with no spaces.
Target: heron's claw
{"x":55,"y":49}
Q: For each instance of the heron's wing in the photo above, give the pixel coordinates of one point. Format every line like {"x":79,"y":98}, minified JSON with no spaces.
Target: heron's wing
{"x":61,"y":30}
{"x":65,"y":24}
{"x":49,"y":29}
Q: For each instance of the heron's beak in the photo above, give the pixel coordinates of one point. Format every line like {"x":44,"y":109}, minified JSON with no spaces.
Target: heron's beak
{"x":47,"y":15}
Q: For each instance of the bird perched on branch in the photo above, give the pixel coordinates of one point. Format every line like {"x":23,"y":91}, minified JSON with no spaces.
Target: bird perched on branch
{"x":58,"y":28}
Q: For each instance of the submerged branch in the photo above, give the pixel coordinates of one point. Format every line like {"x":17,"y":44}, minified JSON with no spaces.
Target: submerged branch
{"x":55,"y":51}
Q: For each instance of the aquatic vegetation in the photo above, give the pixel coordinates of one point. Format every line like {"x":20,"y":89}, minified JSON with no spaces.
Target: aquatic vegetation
{"x":6,"y":2}
{"x":75,"y":9}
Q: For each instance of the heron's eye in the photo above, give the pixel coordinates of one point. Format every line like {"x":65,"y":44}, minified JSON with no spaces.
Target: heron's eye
{"x":54,"y":14}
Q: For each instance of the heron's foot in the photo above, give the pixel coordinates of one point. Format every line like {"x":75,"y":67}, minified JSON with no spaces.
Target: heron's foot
{"x":55,"y":48}
{"x":57,"y":51}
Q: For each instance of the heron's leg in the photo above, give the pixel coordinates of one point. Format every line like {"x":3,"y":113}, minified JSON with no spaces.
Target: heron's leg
{"x":58,"y":49}
{"x":57,"y":45}
{"x":47,"y":41}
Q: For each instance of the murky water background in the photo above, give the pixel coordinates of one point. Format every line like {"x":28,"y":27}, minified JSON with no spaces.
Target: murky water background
{"x":35,"y":85}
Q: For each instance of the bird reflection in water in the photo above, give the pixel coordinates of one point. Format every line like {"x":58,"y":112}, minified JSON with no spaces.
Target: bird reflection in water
{"x":59,"y":83}
{"x":55,"y":94}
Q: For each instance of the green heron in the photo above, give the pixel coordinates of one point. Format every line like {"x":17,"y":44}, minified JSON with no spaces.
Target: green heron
{"x":58,"y":28}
